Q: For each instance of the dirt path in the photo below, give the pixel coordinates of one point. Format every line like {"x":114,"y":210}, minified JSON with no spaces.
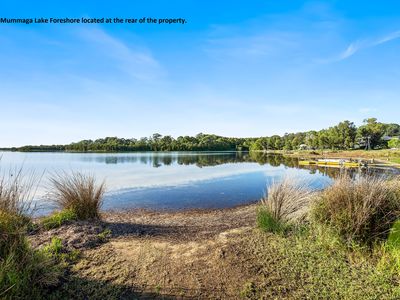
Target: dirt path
{"x":181,"y":255}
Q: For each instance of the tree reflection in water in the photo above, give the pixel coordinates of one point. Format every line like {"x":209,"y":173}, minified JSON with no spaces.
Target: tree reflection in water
{"x":207,"y":159}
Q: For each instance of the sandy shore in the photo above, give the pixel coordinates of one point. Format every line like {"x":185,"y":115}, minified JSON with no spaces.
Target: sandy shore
{"x":171,"y":255}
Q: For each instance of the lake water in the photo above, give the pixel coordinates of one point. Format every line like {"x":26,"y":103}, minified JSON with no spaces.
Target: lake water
{"x":171,"y":180}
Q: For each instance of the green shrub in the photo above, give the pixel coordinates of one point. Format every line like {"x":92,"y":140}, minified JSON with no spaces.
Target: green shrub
{"x":394,"y":143}
{"x":58,"y":219}
{"x":361,"y":210}
{"x":78,"y":193}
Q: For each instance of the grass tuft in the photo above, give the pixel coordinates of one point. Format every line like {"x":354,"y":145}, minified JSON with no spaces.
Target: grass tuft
{"x":104,"y":235}
{"x":24,"y":272}
{"x":267,"y":222}
{"x":286,"y":203}
{"x":361,"y":210}
{"x":58,"y":219}
{"x":17,"y":192}
{"x":78,"y":193}
{"x":394,"y":236}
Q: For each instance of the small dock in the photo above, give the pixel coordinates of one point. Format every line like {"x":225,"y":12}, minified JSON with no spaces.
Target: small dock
{"x":348,"y":163}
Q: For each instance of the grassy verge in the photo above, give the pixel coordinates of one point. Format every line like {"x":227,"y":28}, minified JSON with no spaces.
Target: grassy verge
{"x":314,"y":264}
{"x":348,"y":247}
{"x":26,"y":273}
{"x":382,"y":154}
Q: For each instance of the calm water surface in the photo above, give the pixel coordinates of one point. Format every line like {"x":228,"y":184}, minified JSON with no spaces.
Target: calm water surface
{"x":172,"y":180}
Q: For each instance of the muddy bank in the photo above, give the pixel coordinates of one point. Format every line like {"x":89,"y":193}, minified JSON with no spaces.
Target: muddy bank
{"x":170,"y":255}
{"x":216,"y":254}
{"x":178,"y":226}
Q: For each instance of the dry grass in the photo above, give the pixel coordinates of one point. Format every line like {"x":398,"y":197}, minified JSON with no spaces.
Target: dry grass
{"x":285,"y":204}
{"x":287,"y":201}
{"x":77,"y":192}
{"x":16,"y":196}
{"x":362,"y":209}
{"x":24,"y":272}
{"x":17,"y":191}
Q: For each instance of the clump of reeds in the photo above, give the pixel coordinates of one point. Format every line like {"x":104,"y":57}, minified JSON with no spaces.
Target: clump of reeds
{"x":285,"y":203}
{"x":77,"y":192}
{"x":16,"y":198}
{"x":361,"y":210}
{"x":24,"y":272}
{"x":17,"y":192}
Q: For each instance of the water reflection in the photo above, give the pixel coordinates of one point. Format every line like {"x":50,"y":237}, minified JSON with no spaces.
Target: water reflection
{"x":177,"y":180}
{"x":200,"y":159}
{"x":209,"y":159}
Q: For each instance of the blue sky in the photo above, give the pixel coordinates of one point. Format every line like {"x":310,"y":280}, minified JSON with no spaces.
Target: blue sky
{"x":237,"y":68}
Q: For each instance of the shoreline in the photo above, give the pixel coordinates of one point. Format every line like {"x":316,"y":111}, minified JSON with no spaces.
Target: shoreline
{"x":200,"y":254}
{"x":171,"y":226}
{"x":381,"y":155}
{"x":145,"y":255}
{"x":183,"y":211}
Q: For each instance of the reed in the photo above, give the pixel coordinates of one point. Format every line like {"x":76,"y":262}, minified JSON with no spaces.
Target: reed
{"x":286,"y":202}
{"x":77,"y":192}
{"x":17,"y":190}
{"x":362,"y":209}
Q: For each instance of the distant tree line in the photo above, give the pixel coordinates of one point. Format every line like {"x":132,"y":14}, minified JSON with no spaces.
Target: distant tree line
{"x":345,"y":135}
{"x":156,"y":142}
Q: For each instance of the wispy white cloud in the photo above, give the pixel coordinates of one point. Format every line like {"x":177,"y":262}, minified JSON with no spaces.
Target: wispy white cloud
{"x":255,"y":45}
{"x":351,"y":50}
{"x":358,"y":45}
{"x":367,"y":110}
{"x":137,"y":62}
{"x":391,"y":36}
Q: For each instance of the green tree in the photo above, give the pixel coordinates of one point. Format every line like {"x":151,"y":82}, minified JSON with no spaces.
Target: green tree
{"x":261,"y":144}
{"x":311,"y":139}
{"x":392,"y":129}
{"x":394,"y":143}
{"x":347,"y":132}
{"x":275,"y":142}
{"x":372,"y":131}
{"x":323,"y":139}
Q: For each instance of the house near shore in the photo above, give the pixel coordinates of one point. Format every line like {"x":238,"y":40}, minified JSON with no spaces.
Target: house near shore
{"x":387,"y":138}
{"x":304,"y":147}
